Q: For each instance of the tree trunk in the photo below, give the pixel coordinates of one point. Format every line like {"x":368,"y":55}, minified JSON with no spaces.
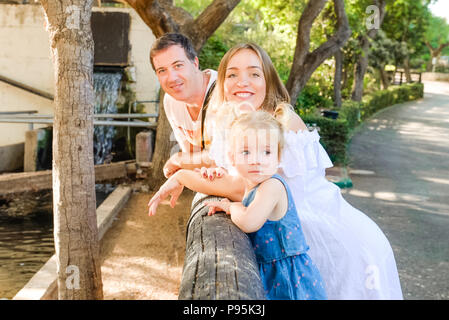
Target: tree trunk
{"x":434,"y":53}
{"x":337,"y":77}
{"x":163,"y":17}
{"x":362,"y":60}
{"x":384,"y":78}
{"x":408,"y":75}
{"x":305,"y":62}
{"x":360,"y":69}
{"x":75,"y":221}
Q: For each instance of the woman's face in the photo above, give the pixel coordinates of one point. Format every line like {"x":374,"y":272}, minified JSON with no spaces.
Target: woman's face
{"x":244,"y":79}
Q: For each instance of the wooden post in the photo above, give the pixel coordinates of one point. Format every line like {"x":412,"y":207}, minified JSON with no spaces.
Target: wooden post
{"x":219,"y":263}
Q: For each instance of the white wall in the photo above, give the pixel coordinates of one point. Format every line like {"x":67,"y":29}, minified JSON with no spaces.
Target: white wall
{"x":25,"y":57}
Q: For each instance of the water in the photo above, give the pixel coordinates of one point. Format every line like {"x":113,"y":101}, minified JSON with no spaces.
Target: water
{"x":26,"y":223}
{"x":107,"y":90}
{"x":26,"y":237}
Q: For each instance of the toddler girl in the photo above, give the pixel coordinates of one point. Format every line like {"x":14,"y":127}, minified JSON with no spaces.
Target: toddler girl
{"x":267,"y":212}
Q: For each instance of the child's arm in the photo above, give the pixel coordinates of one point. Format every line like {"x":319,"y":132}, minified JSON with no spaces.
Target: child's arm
{"x":232,"y":187}
{"x":269,"y":196}
{"x":187,"y":160}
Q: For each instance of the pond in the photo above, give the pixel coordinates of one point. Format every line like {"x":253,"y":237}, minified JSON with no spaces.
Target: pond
{"x":26,"y":237}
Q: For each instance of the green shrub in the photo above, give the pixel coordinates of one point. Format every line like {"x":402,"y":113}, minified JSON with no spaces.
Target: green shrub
{"x":335,"y":133}
{"x":311,"y":98}
{"x":350,"y":112}
{"x":385,"y":98}
{"x":416,"y":90}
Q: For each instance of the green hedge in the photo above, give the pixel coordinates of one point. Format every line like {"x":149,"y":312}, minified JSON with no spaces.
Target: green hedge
{"x":335,"y":133}
{"x":385,"y":98}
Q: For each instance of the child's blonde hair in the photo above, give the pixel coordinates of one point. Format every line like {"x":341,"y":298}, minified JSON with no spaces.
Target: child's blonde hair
{"x":256,"y":120}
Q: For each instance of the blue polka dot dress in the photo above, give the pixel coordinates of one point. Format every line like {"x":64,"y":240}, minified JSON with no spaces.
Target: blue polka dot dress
{"x":286,"y":270}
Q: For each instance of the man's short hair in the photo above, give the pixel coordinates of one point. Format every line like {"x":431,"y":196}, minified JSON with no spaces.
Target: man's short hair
{"x":173,"y":39}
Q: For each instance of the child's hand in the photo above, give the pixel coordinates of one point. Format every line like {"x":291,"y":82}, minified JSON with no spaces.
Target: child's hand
{"x":171,"y":187}
{"x":211,"y":173}
{"x":215,"y":206}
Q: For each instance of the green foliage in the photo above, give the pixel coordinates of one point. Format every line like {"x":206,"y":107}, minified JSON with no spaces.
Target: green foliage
{"x":407,"y":21}
{"x":438,"y":32}
{"x":311,"y":99}
{"x":350,"y":112}
{"x":385,"y":98}
{"x":211,"y":53}
{"x":335,"y":133}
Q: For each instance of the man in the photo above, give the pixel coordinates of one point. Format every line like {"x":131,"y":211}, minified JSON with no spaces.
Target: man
{"x":187,"y":90}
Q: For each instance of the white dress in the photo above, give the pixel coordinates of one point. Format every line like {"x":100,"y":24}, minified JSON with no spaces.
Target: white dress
{"x":352,"y":254}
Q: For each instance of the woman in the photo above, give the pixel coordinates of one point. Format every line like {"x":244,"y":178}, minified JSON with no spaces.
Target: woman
{"x":352,"y":254}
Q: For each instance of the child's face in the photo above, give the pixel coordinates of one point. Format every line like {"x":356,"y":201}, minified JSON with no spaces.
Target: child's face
{"x":255,"y":154}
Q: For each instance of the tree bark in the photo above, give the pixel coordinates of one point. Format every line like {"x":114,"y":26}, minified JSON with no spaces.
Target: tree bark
{"x":362,"y":59}
{"x":384,"y":78}
{"x":360,"y":69}
{"x":434,"y":53}
{"x":305,"y":62}
{"x":408,"y":75}
{"x":337,"y":77}
{"x":75,"y":221}
{"x":163,"y":17}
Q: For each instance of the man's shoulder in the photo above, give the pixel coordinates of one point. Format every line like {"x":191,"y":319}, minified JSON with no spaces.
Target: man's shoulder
{"x":171,"y":103}
{"x":213,"y":75}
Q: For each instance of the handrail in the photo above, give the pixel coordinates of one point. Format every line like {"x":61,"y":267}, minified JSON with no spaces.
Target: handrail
{"x":143,"y":124}
{"x":96,"y":115}
{"x":219,"y":262}
{"x":17,"y":112}
{"x":27,"y":88}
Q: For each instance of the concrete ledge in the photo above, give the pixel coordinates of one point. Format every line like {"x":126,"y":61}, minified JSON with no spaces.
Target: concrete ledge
{"x":43,"y":285}
{"x":11,"y":183}
{"x":11,"y":157}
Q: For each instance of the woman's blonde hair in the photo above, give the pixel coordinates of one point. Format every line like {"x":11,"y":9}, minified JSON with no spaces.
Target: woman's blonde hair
{"x":256,"y":120}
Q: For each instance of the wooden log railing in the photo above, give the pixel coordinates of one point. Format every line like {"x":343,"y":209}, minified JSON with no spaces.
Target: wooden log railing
{"x":219,"y":263}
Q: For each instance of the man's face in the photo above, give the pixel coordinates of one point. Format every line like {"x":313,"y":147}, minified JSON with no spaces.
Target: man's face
{"x":176,"y":73}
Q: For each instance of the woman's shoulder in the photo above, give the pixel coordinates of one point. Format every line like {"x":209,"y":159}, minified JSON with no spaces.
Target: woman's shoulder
{"x":295,"y":122}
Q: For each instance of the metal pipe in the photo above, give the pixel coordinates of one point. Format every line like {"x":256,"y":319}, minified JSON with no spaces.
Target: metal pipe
{"x":17,"y":112}
{"x":27,"y":88}
{"x":96,"y":122}
{"x":106,"y":115}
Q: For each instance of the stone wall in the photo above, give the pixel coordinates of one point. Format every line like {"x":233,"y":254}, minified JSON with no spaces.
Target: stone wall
{"x":25,"y":58}
{"x":435,"y":76}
